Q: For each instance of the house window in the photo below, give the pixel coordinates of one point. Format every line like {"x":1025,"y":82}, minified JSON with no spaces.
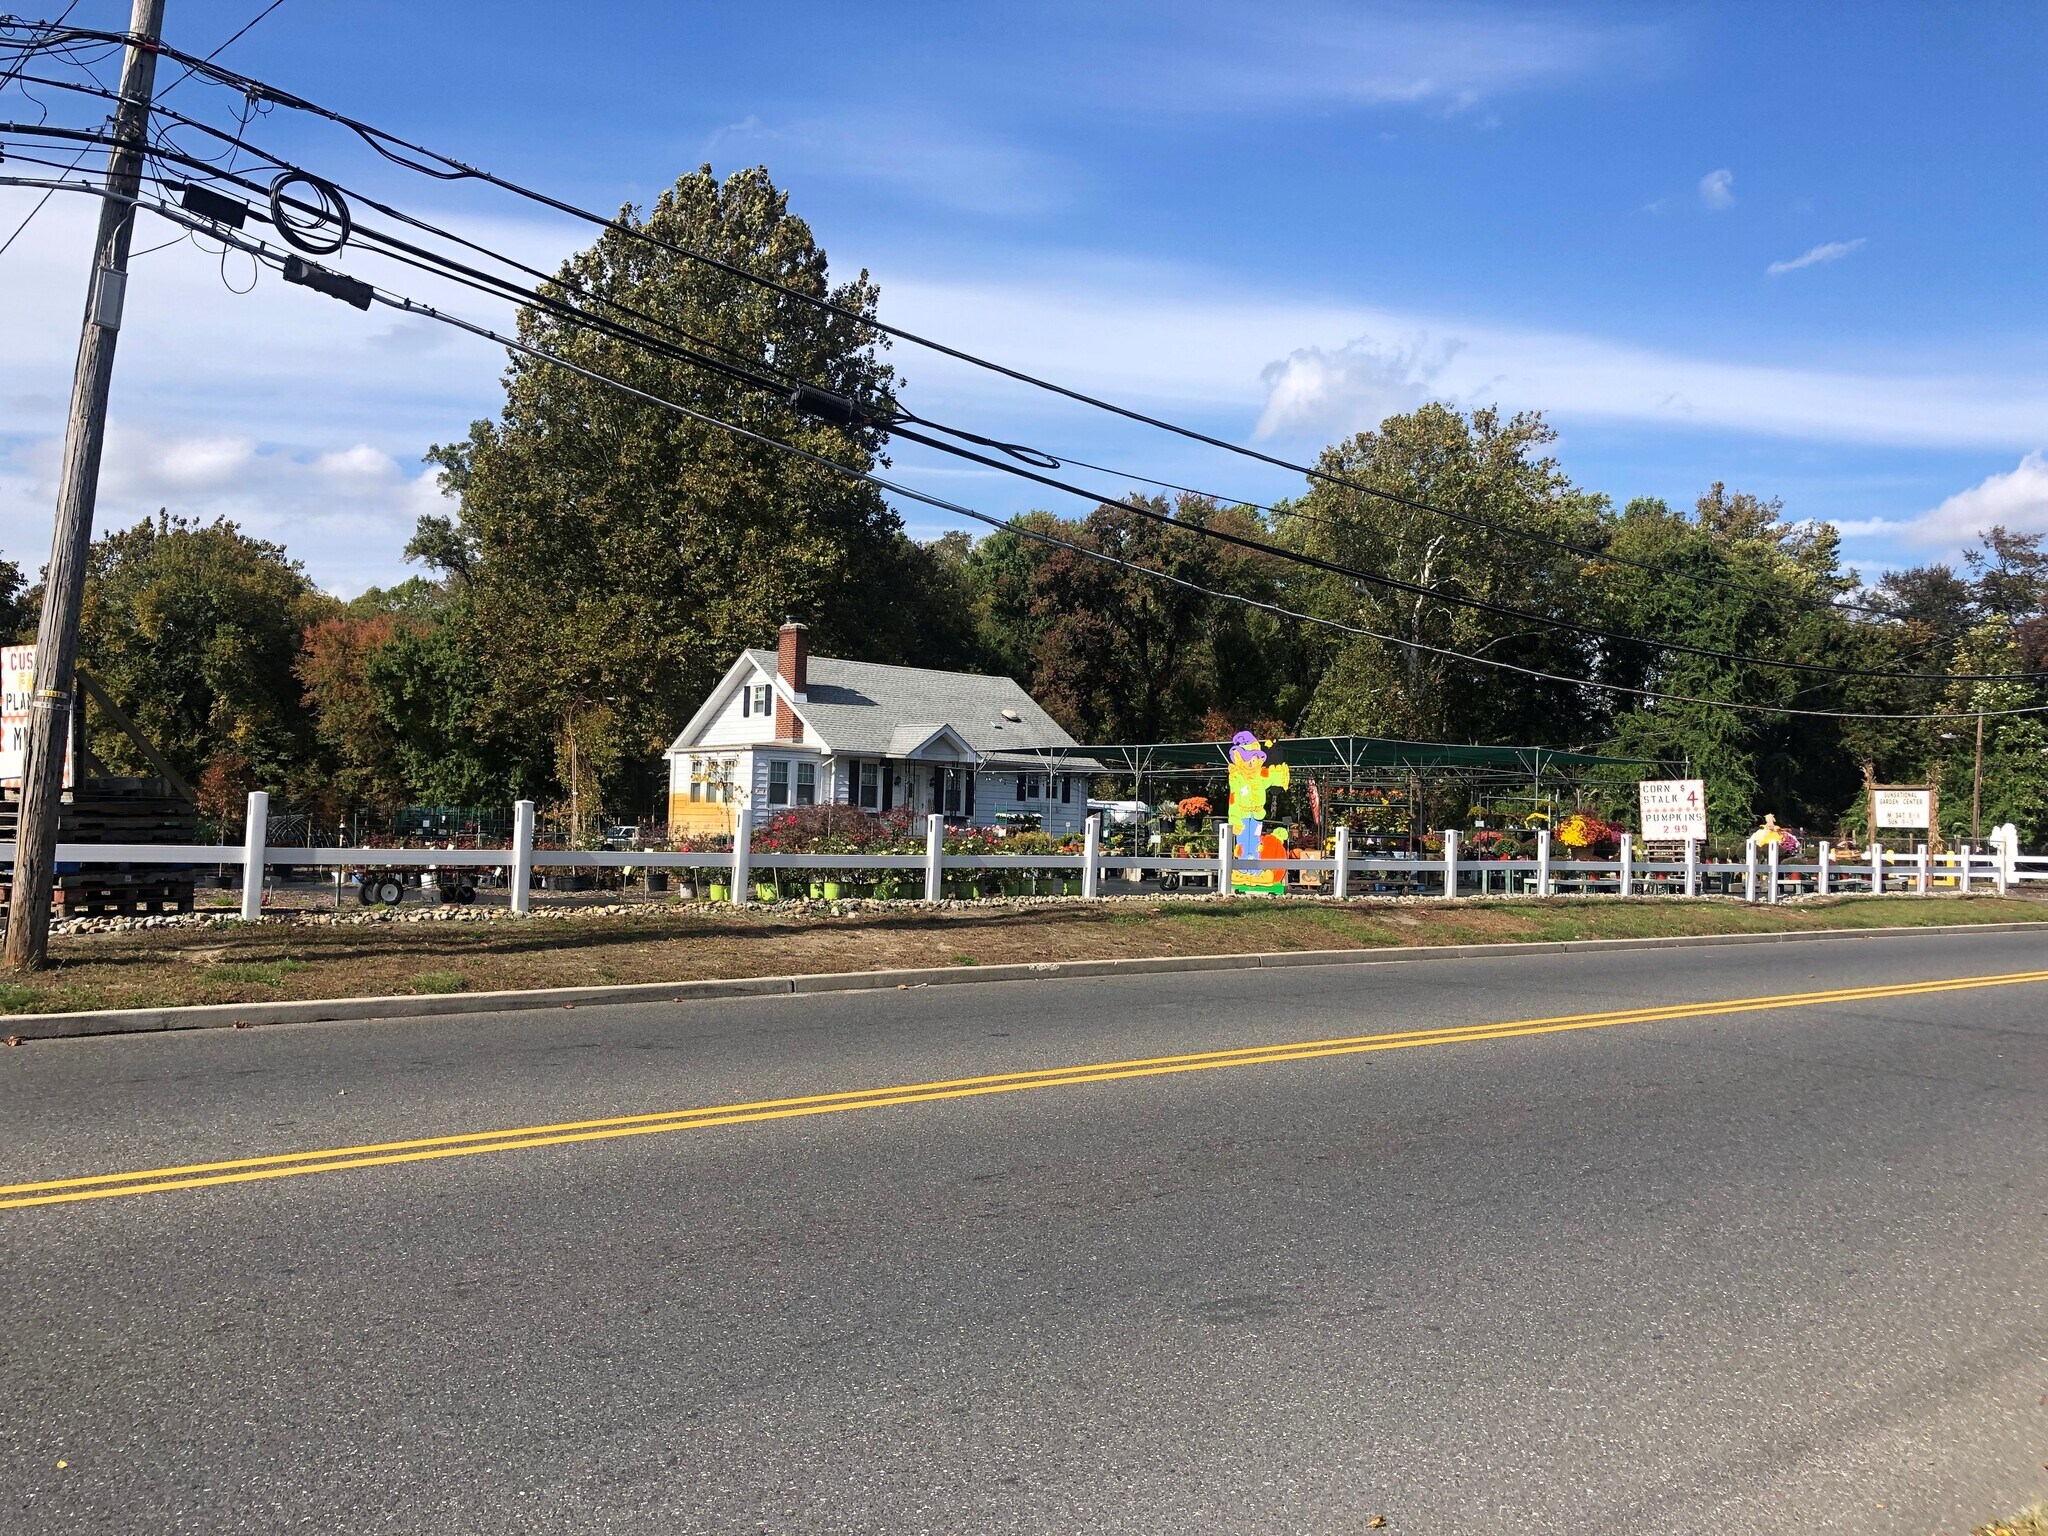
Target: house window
{"x":870,"y":792}
{"x":761,"y":706}
{"x":806,"y":783}
{"x":958,"y":793}
{"x":695,"y":776}
{"x":1031,"y":786}
{"x":778,"y":781}
{"x":1066,"y":789}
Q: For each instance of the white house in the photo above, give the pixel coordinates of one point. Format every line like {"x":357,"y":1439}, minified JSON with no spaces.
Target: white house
{"x":784,"y":728}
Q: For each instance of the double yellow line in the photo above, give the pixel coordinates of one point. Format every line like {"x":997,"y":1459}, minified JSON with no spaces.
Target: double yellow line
{"x":106,"y":1186}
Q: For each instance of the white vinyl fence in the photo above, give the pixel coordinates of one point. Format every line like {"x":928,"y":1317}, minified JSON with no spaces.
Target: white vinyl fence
{"x":1763,"y":876}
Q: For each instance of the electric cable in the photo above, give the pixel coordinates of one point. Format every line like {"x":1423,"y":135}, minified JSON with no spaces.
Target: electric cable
{"x":452,"y":169}
{"x":1030,"y":456}
{"x":404,"y":304}
{"x":1023,"y":470}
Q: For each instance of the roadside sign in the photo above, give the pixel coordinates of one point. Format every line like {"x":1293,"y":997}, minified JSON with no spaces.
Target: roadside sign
{"x":1900,"y":807}
{"x":1673,"y":809}
{"x":17,"y":689}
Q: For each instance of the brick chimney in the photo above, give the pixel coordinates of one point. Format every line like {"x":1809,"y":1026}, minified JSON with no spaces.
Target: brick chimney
{"x":792,"y":668}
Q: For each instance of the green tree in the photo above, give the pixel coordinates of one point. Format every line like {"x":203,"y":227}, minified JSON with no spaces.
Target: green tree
{"x":614,"y":555}
{"x":1484,"y":465}
{"x":1115,"y":655}
{"x":195,"y":629}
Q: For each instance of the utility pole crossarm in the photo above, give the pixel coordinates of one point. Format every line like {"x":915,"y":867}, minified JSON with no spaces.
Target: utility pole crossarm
{"x":49,"y":728}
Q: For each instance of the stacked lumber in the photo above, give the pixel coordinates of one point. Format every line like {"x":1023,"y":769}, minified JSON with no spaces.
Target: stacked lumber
{"x":115,"y":810}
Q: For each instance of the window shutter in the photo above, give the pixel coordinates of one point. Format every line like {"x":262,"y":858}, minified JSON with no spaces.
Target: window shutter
{"x":970,"y":792}
{"x":1020,"y":789}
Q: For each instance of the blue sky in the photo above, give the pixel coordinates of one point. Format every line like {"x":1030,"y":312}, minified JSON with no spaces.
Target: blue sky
{"x":1797,"y":249}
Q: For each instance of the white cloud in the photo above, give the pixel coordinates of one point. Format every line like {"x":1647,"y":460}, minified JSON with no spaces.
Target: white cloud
{"x":935,"y":163}
{"x":1259,"y":58}
{"x":1834,"y":250}
{"x":1717,"y":189}
{"x":2016,"y":498}
{"x":1169,"y":338}
{"x":1325,"y":394}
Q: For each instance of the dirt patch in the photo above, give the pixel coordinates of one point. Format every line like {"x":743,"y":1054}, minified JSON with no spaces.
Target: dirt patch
{"x":276,"y":961}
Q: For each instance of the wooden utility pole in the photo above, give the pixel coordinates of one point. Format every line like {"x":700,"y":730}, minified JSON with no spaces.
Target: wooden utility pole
{"x":42,"y":783}
{"x":1977,"y":787}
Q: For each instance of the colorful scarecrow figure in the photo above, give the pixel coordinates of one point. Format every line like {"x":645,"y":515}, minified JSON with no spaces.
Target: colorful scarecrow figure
{"x":1250,"y":778}
{"x":1770,"y":832}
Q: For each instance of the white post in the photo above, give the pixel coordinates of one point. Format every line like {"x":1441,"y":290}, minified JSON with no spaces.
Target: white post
{"x":1999,"y":878}
{"x":1877,"y":868}
{"x":1924,"y":879}
{"x":1450,"y":862}
{"x":1223,"y":853}
{"x":1749,"y":869}
{"x":521,"y":891}
{"x":1820,"y":882}
{"x":934,"y":850}
{"x":1091,"y":856}
{"x":1340,"y":877}
{"x":1774,"y":875}
{"x":1692,"y":866}
{"x":1543,"y":861}
{"x":255,"y":840}
{"x":1628,"y":862}
{"x":742,"y":857}
{"x":1962,"y":869}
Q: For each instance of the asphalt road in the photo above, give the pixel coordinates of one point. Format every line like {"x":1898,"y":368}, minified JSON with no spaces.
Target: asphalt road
{"x":1763,"y":1270}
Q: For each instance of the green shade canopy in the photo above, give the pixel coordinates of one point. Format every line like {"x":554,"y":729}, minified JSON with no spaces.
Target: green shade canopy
{"x":1354,"y":754}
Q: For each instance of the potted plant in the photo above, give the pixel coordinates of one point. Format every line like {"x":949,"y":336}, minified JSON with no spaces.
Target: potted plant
{"x":765,"y":890}
{"x":720,"y":890}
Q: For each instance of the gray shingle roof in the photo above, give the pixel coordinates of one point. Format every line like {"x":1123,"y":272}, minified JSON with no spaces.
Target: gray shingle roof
{"x":859,"y":706}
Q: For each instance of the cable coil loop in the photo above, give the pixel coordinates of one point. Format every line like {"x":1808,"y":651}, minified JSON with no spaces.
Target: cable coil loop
{"x":319,"y":228}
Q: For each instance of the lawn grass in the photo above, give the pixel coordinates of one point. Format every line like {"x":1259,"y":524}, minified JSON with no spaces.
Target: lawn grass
{"x":2031,"y":1521}
{"x":280,"y":960}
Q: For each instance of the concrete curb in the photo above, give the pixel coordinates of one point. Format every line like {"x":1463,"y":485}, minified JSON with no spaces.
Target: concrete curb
{"x":56,"y":1026}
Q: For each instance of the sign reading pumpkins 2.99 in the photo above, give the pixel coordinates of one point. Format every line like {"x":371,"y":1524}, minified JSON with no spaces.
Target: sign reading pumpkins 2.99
{"x":17,"y":691}
{"x":1673,"y":809}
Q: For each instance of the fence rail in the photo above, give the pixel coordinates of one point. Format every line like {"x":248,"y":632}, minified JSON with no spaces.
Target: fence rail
{"x":1764,"y":875}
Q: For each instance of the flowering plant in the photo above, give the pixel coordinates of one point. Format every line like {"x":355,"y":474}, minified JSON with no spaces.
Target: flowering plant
{"x":1195,"y":805}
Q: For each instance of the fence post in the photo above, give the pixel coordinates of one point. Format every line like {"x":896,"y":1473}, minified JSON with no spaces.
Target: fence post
{"x":1749,"y":869}
{"x":1774,"y":875}
{"x":1224,"y":852}
{"x":742,"y":857}
{"x":1543,"y":861}
{"x":1877,"y":867}
{"x":1924,"y":881}
{"x":1091,"y":856}
{"x":1820,"y":879}
{"x":255,"y":841}
{"x":934,"y":850}
{"x":519,"y":879}
{"x":1692,"y":866}
{"x":1999,"y":879}
{"x":1450,"y":862}
{"x":1963,"y":868}
{"x":1340,"y":877}
{"x":1628,"y":862}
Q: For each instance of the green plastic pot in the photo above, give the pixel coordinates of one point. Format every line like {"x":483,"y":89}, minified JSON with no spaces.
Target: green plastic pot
{"x":720,"y":891}
{"x":834,"y":890}
{"x":817,"y":890}
{"x":764,"y":890}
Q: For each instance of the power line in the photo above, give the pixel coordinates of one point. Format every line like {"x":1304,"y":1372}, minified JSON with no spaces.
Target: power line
{"x":404,"y":304}
{"x":458,"y":171}
{"x":223,"y":48}
{"x":415,"y":256}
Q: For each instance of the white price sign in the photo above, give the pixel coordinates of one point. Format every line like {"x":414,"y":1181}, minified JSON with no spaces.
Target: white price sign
{"x":1673,"y":809}
{"x":17,"y":690}
{"x":1901,"y":807}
